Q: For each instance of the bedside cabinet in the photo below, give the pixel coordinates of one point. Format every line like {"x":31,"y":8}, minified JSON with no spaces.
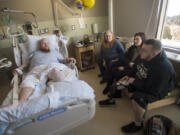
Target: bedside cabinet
{"x":85,"y":57}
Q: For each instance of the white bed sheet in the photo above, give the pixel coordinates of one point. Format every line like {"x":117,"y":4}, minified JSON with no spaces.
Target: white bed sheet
{"x":57,"y":94}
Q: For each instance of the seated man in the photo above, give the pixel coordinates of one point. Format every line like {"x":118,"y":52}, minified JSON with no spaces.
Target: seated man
{"x":43,"y":56}
{"x":151,"y":80}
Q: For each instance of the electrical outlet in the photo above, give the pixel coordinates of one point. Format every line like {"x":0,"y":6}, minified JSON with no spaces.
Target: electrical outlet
{"x":73,"y":27}
{"x":44,"y":30}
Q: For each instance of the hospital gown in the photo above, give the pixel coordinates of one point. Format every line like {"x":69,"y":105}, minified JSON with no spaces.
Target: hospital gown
{"x":43,"y":58}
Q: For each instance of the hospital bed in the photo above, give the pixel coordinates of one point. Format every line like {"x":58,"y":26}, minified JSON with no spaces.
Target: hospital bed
{"x":68,"y":114}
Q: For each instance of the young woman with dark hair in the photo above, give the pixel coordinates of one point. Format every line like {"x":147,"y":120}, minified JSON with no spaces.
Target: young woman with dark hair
{"x":133,"y":52}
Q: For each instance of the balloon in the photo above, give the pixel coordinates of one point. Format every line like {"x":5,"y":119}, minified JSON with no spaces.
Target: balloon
{"x":79,"y":4}
{"x":88,"y":3}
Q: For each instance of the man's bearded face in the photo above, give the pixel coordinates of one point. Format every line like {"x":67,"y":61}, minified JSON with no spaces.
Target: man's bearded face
{"x":45,"y":45}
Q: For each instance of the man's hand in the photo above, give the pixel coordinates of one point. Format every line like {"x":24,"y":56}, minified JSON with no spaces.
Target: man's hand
{"x":131,"y":80}
{"x":73,"y":60}
{"x":131,"y":64}
{"x":104,"y":63}
{"x":125,"y":78}
{"x":121,"y":68}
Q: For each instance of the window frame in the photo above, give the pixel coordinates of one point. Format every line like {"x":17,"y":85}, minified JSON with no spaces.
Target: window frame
{"x":161,"y":24}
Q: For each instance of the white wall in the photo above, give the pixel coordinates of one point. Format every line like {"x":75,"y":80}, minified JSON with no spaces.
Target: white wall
{"x":132,"y":16}
{"x":43,"y":8}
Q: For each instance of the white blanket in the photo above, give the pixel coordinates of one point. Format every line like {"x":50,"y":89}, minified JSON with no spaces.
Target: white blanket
{"x":57,"y":94}
{"x":71,"y":89}
{"x":40,"y":72}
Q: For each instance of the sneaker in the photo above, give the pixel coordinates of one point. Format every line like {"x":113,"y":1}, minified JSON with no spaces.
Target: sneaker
{"x":106,"y":90}
{"x":102,"y":81}
{"x":107,"y":102}
{"x":100,"y":75}
{"x":131,"y":128}
{"x":117,"y":94}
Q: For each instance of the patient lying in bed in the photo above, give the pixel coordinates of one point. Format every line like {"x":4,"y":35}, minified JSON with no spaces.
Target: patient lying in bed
{"x":44,"y":56}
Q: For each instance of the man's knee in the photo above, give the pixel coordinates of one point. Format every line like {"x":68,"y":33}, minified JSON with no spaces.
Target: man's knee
{"x":134,"y":103}
{"x":138,"y":105}
{"x":139,"y":100}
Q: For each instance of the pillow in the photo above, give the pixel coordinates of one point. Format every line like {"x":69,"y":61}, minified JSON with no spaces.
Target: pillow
{"x":33,"y":42}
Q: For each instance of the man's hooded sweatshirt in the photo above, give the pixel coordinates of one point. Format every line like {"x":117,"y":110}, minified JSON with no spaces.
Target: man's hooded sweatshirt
{"x":155,"y":77}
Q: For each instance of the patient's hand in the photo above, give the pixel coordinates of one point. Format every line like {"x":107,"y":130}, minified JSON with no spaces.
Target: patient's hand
{"x":14,"y":72}
{"x":17,"y":71}
{"x":121,"y":68}
{"x":73,"y":60}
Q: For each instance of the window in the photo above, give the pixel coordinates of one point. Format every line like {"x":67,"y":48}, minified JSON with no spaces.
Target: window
{"x":170,"y":36}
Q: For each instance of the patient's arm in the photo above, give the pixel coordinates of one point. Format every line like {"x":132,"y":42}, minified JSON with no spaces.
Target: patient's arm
{"x":26,"y":64}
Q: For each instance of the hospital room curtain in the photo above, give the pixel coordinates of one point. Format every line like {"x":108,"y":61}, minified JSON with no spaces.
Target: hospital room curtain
{"x":152,"y":25}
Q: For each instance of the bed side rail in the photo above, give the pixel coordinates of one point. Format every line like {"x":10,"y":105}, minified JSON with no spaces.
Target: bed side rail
{"x":53,"y":111}
{"x":15,"y":85}
{"x":15,"y":89}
